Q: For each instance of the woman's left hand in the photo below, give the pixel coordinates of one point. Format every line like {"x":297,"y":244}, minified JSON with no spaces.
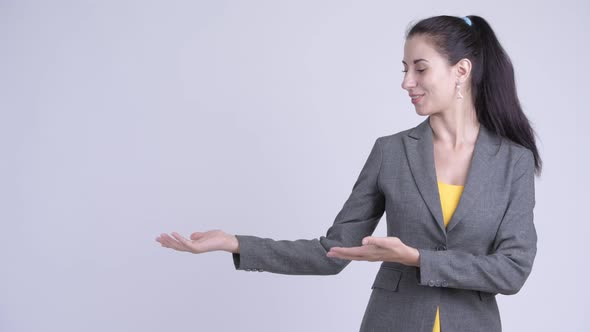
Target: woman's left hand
{"x":386,"y":249}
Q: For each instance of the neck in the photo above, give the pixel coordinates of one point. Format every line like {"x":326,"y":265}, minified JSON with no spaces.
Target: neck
{"x":455,"y":128}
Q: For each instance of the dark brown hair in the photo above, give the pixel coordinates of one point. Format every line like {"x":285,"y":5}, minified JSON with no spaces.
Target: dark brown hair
{"x":493,"y":87}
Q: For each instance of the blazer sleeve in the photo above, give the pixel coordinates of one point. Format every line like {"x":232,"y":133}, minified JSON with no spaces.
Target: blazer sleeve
{"x":515,"y":246}
{"x":357,"y":219}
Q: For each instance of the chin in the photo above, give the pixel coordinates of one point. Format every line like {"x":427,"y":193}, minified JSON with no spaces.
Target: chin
{"x":422,"y":111}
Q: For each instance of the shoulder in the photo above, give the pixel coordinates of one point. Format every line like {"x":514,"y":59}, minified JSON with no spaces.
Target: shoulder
{"x":520,"y":160}
{"x":517,"y":153}
{"x":394,"y":139}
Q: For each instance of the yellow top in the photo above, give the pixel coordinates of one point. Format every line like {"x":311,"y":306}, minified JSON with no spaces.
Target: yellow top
{"x":449,"y":199}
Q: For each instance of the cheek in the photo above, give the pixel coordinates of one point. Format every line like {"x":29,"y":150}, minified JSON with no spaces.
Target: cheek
{"x":441,"y":91}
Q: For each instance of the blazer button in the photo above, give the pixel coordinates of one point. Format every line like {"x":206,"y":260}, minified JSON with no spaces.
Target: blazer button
{"x":445,"y":283}
{"x":437,"y":283}
{"x":431,"y":283}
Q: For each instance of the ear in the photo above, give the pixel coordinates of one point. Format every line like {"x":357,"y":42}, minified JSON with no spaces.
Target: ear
{"x":462,"y":70}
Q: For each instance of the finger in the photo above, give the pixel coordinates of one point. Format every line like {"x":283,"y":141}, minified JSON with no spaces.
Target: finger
{"x":165,"y":241}
{"x":371,"y":240}
{"x":348,"y":253}
{"x":346,"y":256}
{"x":171,"y":243}
{"x":366,"y":252}
{"x":183,"y":243}
{"x":351,"y":251}
{"x":357,"y":255}
{"x":162,"y":240}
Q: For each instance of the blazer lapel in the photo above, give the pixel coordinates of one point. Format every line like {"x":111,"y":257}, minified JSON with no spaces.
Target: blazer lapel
{"x":419,"y":150}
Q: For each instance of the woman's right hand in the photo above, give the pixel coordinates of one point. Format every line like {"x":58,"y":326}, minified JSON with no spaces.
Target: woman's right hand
{"x":200,"y":242}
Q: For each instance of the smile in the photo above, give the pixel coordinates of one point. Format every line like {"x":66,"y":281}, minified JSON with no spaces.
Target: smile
{"x":417,"y":99}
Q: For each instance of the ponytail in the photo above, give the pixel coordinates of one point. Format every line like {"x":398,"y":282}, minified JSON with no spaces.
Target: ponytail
{"x":493,"y":85}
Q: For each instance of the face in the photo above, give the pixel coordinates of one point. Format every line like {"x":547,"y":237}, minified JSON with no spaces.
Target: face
{"x":428,"y":74}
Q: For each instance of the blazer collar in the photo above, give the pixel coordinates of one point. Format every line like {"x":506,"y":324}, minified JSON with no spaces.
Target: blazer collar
{"x":420,"y":153}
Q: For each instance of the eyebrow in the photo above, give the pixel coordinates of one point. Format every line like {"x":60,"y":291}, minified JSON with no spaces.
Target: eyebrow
{"x":415,"y":61}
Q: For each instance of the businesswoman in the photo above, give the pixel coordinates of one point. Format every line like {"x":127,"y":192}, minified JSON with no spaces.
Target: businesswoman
{"x":458,"y":190}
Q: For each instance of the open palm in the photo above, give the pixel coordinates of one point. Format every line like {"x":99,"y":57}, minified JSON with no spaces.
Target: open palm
{"x":199,"y":242}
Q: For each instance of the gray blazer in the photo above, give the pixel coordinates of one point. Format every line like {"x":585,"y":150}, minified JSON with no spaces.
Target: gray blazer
{"x":487,"y":248}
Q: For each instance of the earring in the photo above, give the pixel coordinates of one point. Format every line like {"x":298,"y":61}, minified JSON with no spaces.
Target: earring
{"x":459,"y":95}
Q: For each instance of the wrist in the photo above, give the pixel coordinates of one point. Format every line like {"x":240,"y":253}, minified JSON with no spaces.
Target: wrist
{"x":413,"y":257}
{"x":234,"y":245}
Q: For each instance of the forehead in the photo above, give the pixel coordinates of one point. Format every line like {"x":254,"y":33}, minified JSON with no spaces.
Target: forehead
{"x":418,"y":47}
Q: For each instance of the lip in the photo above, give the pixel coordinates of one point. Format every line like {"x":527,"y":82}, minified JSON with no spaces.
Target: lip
{"x":417,"y":100}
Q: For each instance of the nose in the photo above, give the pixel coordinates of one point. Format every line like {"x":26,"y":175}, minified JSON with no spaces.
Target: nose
{"x":408,"y":82}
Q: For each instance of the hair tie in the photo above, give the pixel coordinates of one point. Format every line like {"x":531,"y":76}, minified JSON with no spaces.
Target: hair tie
{"x":466,"y":19}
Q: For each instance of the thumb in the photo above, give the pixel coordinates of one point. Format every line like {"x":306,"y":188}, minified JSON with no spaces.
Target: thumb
{"x":196,"y":235}
{"x":369,"y":240}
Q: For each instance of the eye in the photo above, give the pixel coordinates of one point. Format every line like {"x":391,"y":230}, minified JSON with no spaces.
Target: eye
{"x":418,"y":70}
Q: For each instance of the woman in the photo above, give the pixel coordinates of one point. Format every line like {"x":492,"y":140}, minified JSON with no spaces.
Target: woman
{"x":458,"y":190}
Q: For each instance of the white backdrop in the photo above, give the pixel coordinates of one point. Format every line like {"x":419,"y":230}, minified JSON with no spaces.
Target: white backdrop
{"x":120,"y":120}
